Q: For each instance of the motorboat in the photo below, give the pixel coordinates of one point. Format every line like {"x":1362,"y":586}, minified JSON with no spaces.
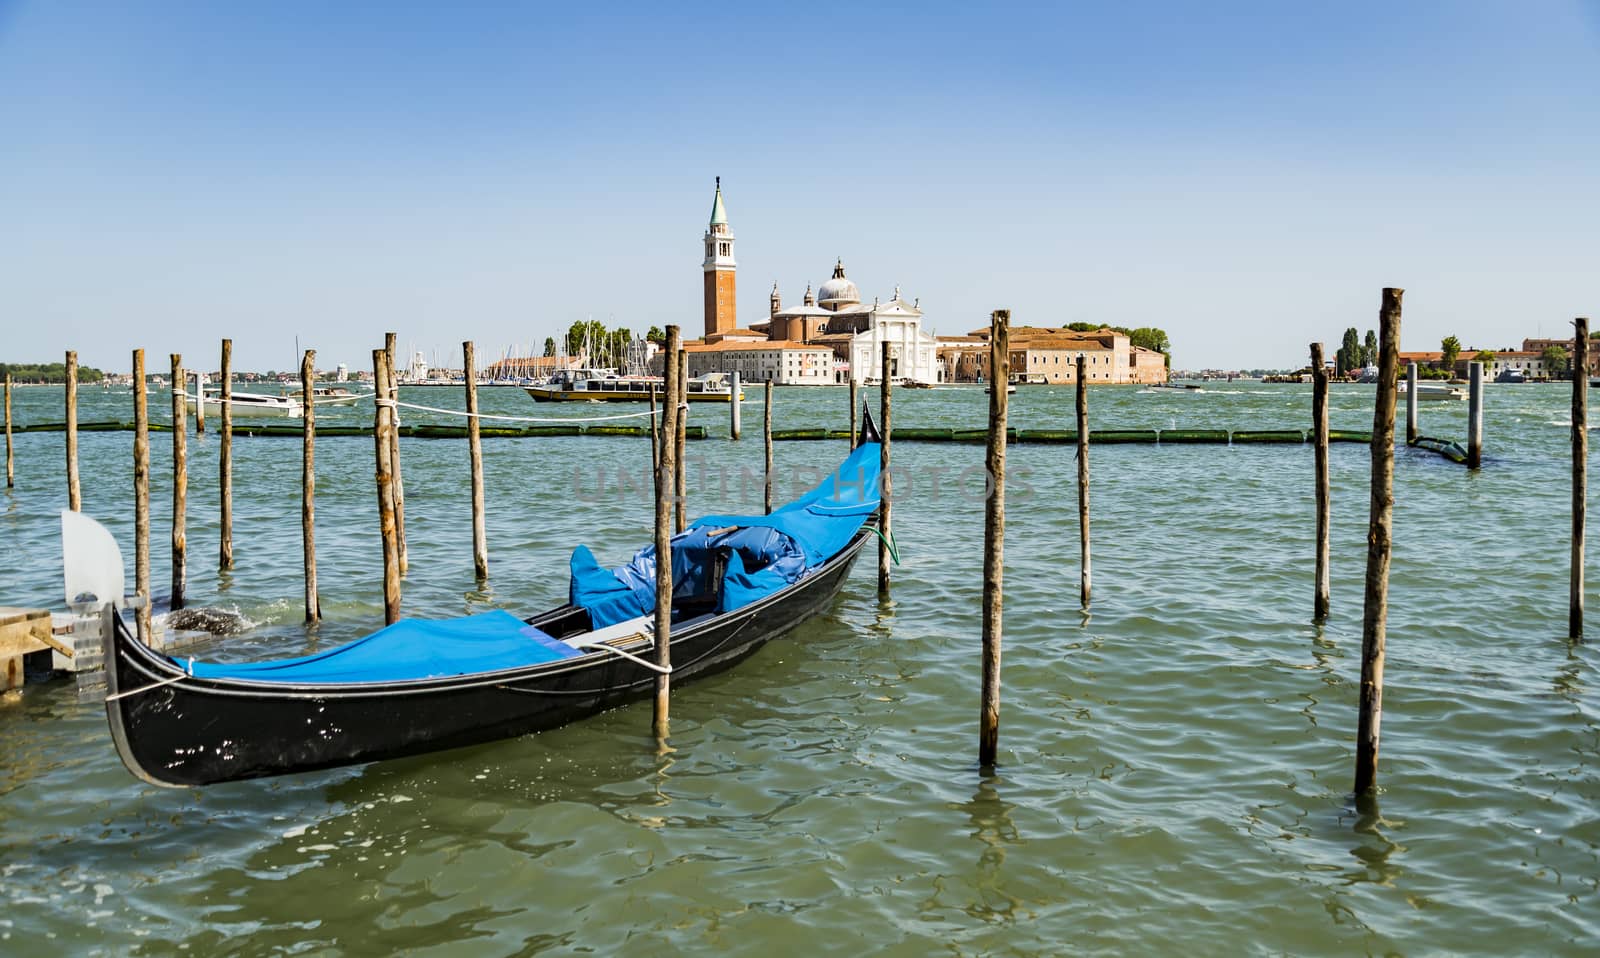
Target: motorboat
{"x":1509,"y":375}
{"x":1435,"y":391}
{"x":253,"y":405}
{"x":420,"y":686}
{"x":334,"y":396}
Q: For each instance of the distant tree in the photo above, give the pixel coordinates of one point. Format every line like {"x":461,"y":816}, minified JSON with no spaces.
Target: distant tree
{"x":48,"y":373}
{"x":1084,"y":327}
{"x":549,"y":345}
{"x":655,"y":335}
{"x":1555,"y":361}
{"x":1484,"y":356}
{"x":1349,"y":355}
{"x":1451,"y":348}
{"x":1369,"y":349}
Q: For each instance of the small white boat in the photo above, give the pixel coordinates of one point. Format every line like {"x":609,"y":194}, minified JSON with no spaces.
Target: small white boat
{"x":333,"y":396}
{"x":253,"y":405}
{"x":1435,"y":391}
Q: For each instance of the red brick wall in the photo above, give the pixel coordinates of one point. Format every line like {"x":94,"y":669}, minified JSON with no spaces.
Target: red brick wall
{"x":721,"y":313}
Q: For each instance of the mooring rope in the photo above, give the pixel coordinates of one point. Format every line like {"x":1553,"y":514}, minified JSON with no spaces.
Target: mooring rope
{"x":188,"y":673}
{"x":483,"y":415}
{"x":580,"y":643}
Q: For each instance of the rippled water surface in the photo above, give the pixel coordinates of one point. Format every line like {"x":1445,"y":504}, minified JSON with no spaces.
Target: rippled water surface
{"x":1175,"y":767}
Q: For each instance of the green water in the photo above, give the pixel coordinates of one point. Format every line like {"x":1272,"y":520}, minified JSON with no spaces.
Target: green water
{"x":1175,"y":768}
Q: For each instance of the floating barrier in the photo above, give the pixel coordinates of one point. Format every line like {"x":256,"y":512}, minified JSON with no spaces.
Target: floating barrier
{"x":413,"y":432}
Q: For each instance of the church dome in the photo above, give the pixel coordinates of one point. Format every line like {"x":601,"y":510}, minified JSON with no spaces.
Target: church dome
{"x":838,"y":291}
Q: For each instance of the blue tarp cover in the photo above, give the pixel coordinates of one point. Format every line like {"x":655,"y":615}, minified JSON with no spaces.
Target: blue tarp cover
{"x":409,"y":649}
{"x":768,"y":551}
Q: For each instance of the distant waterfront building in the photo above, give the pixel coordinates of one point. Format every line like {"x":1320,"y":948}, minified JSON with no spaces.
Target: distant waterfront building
{"x":856,"y":332}
{"x":1044,"y":354}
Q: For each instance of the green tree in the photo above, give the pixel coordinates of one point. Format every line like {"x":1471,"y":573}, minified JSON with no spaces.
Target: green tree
{"x":1555,"y":361}
{"x":48,"y":373}
{"x":1484,"y":356}
{"x":1451,"y":348}
{"x":1349,"y":355}
{"x":1369,"y":349}
{"x":549,"y":345}
{"x":1084,"y":327}
{"x":656,"y":335}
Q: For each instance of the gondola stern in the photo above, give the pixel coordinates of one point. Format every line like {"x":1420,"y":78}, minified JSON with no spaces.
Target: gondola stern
{"x":115,"y":639}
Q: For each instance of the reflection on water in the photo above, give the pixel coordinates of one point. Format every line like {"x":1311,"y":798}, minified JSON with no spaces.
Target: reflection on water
{"x":1185,"y":754}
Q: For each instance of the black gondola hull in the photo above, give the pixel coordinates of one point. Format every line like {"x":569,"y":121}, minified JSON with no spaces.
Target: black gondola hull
{"x":178,"y":730}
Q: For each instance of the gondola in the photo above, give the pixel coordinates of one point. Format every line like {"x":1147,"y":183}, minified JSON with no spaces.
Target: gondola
{"x":421,"y":686}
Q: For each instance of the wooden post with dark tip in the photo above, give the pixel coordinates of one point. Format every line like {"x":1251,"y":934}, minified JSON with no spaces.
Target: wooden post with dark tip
{"x":308,"y":482}
{"x":766,"y":433}
{"x":480,"y":537}
{"x":1083,"y":479}
{"x":180,"y":485}
{"x":1580,"y":470}
{"x":852,"y":412}
{"x":74,"y":491}
{"x":994,"y":537}
{"x":1412,"y":431}
{"x":394,"y":455}
{"x":680,"y":459}
{"x":1319,"y":444}
{"x":11,"y":473}
{"x":666,"y":481}
{"x":1380,"y":530}
{"x":225,"y":462}
{"x":735,"y":421}
{"x":885,"y":491}
{"x":1474,"y":415}
{"x":383,"y":422}
{"x":199,"y":403}
{"x":141,"y":497}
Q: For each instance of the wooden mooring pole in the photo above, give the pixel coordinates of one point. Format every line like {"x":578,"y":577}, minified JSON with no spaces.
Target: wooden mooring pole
{"x":11,"y":470}
{"x":1324,"y":496}
{"x":398,"y":483}
{"x":1474,"y":415}
{"x":225,"y":463}
{"x":734,"y":420}
{"x":852,"y":413}
{"x":994,"y":536}
{"x":141,"y":497}
{"x":180,"y":486}
{"x":1083,"y":479}
{"x":308,"y":482}
{"x":74,"y":492}
{"x":680,"y":483}
{"x":666,"y":492}
{"x":383,"y":422}
{"x":766,"y":433}
{"x":199,"y":403}
{"x":1580,"y":470}
{"x":1411,"y":404}
{"x":885,"y":487}
{"x":1380,"y":530}
{"x":655,"y":432}
{"x":480,"y":537}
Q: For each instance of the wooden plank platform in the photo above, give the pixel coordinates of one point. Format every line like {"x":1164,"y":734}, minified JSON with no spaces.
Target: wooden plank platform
{"x":23,"y":632}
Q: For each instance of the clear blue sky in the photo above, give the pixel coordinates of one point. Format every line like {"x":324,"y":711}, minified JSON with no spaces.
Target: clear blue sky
{"x":1246,"y":176}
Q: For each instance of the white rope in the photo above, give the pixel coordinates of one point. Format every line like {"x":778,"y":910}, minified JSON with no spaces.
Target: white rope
{"x":483,"y":415}
{"x":146,"y":688}
{"x":581,"y":643}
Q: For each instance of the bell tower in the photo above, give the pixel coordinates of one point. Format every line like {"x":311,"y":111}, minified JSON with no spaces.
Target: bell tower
{"x":719,"y":266}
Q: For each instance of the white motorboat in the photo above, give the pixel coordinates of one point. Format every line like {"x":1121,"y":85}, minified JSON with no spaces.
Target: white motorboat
{"x":253,"y":405}
{"x":1435,"y":391}
{"x":333,"y":396}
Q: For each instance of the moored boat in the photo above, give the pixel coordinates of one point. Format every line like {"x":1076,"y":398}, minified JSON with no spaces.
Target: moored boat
{"x":420,"y":686}
{"x":1435,"y":391}
{"x":253,"y":405}
{"x":604,"y":385}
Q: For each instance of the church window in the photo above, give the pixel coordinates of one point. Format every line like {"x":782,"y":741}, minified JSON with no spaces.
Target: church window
{"x":722,"y":249}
